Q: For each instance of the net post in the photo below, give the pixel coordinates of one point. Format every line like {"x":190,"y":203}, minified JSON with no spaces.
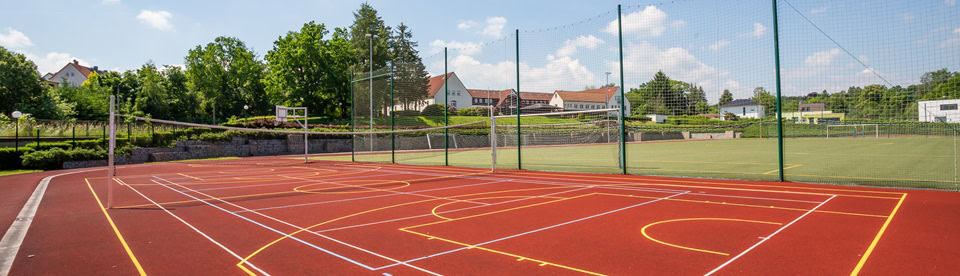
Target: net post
{"x":446,"y":109}
{"x":517,"y":52}
{"x":776,"y":58}
{"x":623,"y":103}
{"x":353,"y":137}
{"x":493,"y":141}
{"x":393,"y":122}
{"x":110,"y":152}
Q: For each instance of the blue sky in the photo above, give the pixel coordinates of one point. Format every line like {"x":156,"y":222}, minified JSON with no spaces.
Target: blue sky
{"x":564,"y":44}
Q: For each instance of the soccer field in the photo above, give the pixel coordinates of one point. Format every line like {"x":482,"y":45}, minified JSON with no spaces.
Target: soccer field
{"x":912,"y":161}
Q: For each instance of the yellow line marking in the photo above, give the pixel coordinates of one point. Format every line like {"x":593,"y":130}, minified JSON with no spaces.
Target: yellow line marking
{"x":876,"y":239}
{"x":784,"y":168}
{"x":645,"y":235}
{"x":747,"y":205}
{"x":184,"y":175}
{"x":366,"y":185}
{"x":116,"y":230}
{"x":434,"y":210}
{"x":518,"y":257}
{"x":244,"y":268}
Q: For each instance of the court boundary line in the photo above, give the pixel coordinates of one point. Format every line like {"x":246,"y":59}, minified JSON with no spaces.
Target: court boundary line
{"x":876,"y":239}
{"x":744,"y":252}
{"x":116,"y":230}
{"x":199,"y":232}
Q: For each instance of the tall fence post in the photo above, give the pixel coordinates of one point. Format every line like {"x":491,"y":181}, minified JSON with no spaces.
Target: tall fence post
{"x":519,"y":142}
{"x":776,"y":58}
{"x":353,"y":137}
{"x":446,"y":109}
{"x":623,"y":103}
{"x":38,"y":136}
{"x":393,"y":122}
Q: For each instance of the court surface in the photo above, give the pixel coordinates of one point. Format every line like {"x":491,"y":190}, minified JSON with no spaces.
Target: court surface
{"x":279,"y":216}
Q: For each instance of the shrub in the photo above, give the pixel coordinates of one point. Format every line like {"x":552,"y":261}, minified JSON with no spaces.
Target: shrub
{"x":474,"y":111}
{"x":730,"y":116}
{"x":50,"y":145}
{"x":690,"y":120}
{"x":433,"y":110}
{"x":10,"y":158}
{"x":53,"y":158}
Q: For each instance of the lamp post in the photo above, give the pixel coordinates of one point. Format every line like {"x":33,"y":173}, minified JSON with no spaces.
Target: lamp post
{"x":245,"y":108}
{"x":370,"y":36}
{"x":16,"y":140}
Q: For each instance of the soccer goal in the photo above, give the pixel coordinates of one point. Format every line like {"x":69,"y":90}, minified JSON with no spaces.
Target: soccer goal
{"x":853,"y":130}
{"x":435,"y":140}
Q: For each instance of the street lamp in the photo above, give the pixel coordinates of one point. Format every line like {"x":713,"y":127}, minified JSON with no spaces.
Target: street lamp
{"x":370,"y":37}
{"x":245,"y":108}
{"x":16,"y":140}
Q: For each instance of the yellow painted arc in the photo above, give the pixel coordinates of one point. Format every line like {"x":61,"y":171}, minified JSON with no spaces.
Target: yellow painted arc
{"x":645,"y":235}
{"x":321,"y":190}
{"x":434,"y":210}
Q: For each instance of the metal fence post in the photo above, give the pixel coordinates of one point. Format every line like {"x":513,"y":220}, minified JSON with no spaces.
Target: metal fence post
{"x":517,"y":40}
{"x":623,"y":103}
{"x":776,"y":56}
{"x":353,"y":137}
{"x":393,"y":122}
{"x":446,"y":109}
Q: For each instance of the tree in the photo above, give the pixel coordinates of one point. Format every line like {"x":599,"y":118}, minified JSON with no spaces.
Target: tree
{"x":152,"y":98}
{"x":22,"y":89}
{"x":726,"y":97}
{"x":763,"y":97}
{"x":697,"y":99}
{"x":410,"y":75}
{"x":367,"y":21}
{"x":306,"y":65}
{"x":91,"y":100}
{"x":185,"y":102}
{"x":228,"y":75}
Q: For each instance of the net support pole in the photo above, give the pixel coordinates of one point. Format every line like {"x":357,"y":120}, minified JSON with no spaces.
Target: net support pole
{"x":776,"y":58}
{"x":493,"y":141}
{"x":446,"y":109}
{"x":519,"y":142}
{"x":393,"y":122}
{"x":110,"y":151}
{"x":353,"y":137}
{"x":623,"y":103}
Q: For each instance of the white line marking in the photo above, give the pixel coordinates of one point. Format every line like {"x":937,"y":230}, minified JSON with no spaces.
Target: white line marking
{"x":10,"y":244}
{"x":292,"y":225}
{"x":388,"y":191}
{"x":769,"y":236}
{"x":536,"y":230}
{"x":196,"y":230}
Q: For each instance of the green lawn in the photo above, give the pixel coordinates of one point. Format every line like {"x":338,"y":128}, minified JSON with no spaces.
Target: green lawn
{"x":11,"y":172}
{"x":916,"y":161}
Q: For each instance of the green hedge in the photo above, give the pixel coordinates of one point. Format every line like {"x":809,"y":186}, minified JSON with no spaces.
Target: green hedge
{"x":433,"y":110}
{"x":474,"y":111}
{"x":10,"y":158}
{"x":53,"y":158}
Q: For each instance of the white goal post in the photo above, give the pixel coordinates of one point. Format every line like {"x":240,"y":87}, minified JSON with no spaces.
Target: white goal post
{"x":858,"y":130}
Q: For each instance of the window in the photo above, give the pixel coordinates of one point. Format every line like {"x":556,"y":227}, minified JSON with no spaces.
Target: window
{"x":948,"y":107}
{"x":453,"y":103}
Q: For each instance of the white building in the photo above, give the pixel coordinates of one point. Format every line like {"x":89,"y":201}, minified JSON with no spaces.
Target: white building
{"x":459,"y":97}
{"x":73,"y":73}
{"x":743,"y":108}
{"x":601,"y":98}
{"x":939,"y":111}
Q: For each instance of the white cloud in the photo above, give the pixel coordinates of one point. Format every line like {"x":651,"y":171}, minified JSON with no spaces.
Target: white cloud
{"x":462,"y":48}
{"x":758,"y":29}
{"x":643,"y":60}
{"x":466,"y":24}
{"x":53,"y":61}
{"x":950,"y":2}
{"x":570,"y":46}
{"x":822,"y":58}
{"x":731,"y":85}
{"x":14,"y":39}
{"x":818,"y":10}
{"x":649,"y":22}
{"x":159,"y":20}
{"x":719,"y":44}
{"x":494,"y":27}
